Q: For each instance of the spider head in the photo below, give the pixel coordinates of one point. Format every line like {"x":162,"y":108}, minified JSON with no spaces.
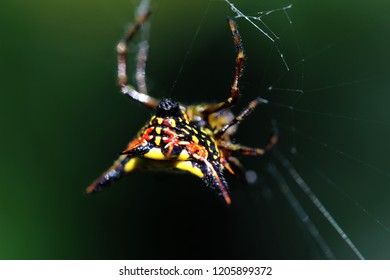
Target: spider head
{"x":168,"y":108}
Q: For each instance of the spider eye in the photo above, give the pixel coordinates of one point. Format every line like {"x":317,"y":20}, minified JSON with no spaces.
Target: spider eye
{"x":168,"y":108}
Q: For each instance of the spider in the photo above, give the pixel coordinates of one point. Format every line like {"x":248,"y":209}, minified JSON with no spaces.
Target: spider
{"x":193,"y":138}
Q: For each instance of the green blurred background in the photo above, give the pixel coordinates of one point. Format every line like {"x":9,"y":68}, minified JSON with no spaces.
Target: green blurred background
{"x":63,"y":122}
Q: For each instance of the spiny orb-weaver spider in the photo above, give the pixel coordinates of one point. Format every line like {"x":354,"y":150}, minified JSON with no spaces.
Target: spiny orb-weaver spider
{"x":194,"y":138}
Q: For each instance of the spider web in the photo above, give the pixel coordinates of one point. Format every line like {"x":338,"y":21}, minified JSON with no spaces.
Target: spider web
{"x":321,"y":65}
{"x":325,"y":80}
{"x":319,"y":101}
{"x":324,"y":74}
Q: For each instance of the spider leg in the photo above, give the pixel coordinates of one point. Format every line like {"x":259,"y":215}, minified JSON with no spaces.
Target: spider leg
{"x":141,"y":65}
{"x":226,"y":164}
{"x":251,"y":106}
{"x":122,"y":49}
{"x":239,"y":170}
{"x":251,"y":151}
{"x":235,"y":90}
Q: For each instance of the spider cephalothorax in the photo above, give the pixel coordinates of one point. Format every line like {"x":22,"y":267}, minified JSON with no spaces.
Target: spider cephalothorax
{"x":194,"y":139}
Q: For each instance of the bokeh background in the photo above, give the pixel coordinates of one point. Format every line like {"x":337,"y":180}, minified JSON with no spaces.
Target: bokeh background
{"x":63,"y":122}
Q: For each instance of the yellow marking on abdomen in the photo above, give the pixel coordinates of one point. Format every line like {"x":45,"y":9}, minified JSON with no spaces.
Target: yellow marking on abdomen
{"x":192,"y":129}
{"x":187,"y":166}
{"x":155,"y":153}
{"x":158,"y":130}
{"x":195,"y":139}
{"x":172,"y":122}
{"x":131,"y":165}
{"x":157,"y":141}
{"x":184,"y":155}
